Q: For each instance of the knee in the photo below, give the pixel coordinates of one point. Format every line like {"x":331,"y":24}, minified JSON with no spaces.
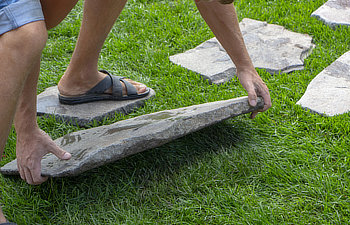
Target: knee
{"x":28,"y":39}
{"x":34,"y":36}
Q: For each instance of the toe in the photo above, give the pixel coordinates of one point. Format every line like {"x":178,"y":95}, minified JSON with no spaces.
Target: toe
{"x":140,"y":88}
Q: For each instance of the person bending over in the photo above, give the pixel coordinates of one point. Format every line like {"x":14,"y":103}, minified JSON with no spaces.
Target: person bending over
{"x":23,"y":35}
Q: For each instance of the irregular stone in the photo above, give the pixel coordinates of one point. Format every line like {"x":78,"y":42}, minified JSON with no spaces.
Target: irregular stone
{"x":329,"y":92}
{"x":101,"y":145}
{"x":270,"y":47}
{"x":84,"y":114}
{"x":334,"y":13}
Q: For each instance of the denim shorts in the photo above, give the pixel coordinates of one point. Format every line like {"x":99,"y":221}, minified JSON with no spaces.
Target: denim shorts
{"x":16,"y":13}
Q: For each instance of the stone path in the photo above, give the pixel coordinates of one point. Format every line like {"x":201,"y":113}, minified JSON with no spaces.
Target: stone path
{"x":334,"y":13}
{"x":270,"y":47}
{"x":329,"y":92}
{"x":84,"y":114}
{"x":101,"y":145}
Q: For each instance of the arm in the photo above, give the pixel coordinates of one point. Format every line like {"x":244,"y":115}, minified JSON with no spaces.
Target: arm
{"x":223,"y":21}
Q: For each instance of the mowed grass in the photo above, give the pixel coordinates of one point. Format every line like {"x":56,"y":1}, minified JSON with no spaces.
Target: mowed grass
{"x":288,"y":166}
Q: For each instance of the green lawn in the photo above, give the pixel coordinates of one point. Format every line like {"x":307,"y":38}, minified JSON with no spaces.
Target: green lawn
{"x":288,"y":166}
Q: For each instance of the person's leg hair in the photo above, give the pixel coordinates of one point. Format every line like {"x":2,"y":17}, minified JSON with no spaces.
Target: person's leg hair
{"x":18,"y":49}
{"x":82,"y":72}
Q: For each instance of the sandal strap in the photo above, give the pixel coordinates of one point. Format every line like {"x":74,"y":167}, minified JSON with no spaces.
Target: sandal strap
{"x":101,"y":87}
{"x":117,"y":88}
{"x":114,"y":82}
{"x":130,"y":89}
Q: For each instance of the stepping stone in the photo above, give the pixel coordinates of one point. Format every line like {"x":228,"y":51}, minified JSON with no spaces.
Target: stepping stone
{"x":84,"y":114}
{"x":334,"y":13}
{"x":270,"y":47}
{"x":329,"y":92}
{"x":101,"y":145}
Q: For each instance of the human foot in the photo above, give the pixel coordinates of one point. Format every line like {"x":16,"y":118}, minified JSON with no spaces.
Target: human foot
{"x":76,"y":89}
{"x":31,"y":147}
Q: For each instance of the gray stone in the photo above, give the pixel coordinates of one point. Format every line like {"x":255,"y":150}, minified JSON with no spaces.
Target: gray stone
{"x":329,"y":92}
{"x":101,"y":145}
{"x":334,"y":13}
{"x":270,"y":47}
{"x":84,"y":114}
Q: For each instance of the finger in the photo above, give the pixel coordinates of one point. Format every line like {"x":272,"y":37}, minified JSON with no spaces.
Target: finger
{"x":252,"y":97}
{"x":263,"y":91}
{"x":28,"y":176}
{"x":60,"y":153}
{"x":36,"y":175}
{"x":21,"y":172}
{"x":267,"y":100}
{"x":253,"y":114}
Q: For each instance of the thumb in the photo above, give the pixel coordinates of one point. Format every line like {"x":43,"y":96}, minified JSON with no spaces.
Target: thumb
{"x":252,"y":98}
{"x":61,"y":154}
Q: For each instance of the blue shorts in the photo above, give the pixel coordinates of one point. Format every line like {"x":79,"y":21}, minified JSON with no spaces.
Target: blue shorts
{"x":16,"y":13}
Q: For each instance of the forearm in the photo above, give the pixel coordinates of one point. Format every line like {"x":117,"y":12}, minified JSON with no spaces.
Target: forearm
{"x":25,"y":118}
{"x":223,"y":21}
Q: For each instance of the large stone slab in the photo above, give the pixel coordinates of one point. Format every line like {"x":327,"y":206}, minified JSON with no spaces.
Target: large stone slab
{"x":334,"y":13}
{"x":270,"y":47}
{"x":97,"y":146}
{"x":329,"y":92}
{"x":84,"y":114}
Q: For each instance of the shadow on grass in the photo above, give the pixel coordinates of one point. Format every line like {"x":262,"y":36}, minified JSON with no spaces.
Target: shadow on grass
{"x":154,"y":171}
{"x":170,"y":158}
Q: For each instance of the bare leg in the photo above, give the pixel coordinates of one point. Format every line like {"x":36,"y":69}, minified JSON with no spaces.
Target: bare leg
{"x":18,"y":75}
{"x":2,"y":217}
{"x":33,"y":143}
{"x":56,"y":11}
{"x":223,"y":21}
{"x":15,"y":62}
{"x":82,"y":73}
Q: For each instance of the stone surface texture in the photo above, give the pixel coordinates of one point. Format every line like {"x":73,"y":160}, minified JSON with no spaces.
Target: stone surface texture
{"x":101,"y":145}
{"x":83,"y":114}
{"x":329,"y":92}
{"x":334,"y":13}
{"x":270,"y":47}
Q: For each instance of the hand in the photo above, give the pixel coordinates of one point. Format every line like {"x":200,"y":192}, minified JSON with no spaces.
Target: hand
{"x":252,"y":82}
{"x":31,"y":147}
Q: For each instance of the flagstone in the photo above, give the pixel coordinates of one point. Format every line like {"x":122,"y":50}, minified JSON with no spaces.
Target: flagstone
{"x":329,"y":92}
{"x":334,"y":13}
{"x":105,"y":144}
{"x":84,"y":114}
{"x":271,"y":47}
